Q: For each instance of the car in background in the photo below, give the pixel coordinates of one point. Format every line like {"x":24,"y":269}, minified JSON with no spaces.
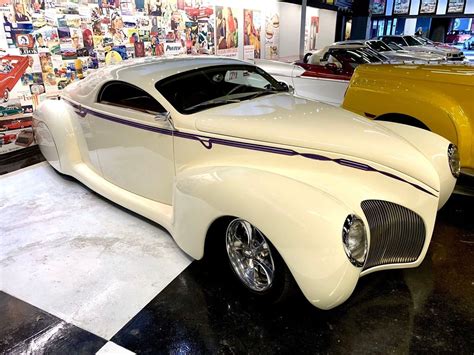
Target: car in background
{"x":438,"y":98}
{"x":12,"y":67}
{"x":10,"y":110}
{"x":394,"y":54}
{"x":457,"y":36}
{"x":323,"y":75}
{"x":231,"y":164}
{"x":411,"y":43}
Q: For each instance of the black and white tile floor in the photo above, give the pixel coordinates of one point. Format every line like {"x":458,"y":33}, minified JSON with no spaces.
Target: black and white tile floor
{"x":79,"y":274}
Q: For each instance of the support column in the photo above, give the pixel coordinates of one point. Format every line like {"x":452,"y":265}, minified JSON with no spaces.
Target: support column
{"x":302,"y":27}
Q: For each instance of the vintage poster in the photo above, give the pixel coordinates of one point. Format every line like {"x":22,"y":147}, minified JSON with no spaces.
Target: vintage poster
{"x":401,"y":7}
{"x":455,"y":6}
{"x":272,"y":36}
{"x":252,"y":29}
{"x":378,"y":7}
{"x":227,"y":33}
{"x":428,"y":6}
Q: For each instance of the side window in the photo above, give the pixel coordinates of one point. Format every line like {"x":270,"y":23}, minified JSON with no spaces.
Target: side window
{"x":118,"y":93}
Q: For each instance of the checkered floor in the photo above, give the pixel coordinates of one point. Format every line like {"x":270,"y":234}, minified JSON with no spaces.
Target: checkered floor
{"x":78,"y":263}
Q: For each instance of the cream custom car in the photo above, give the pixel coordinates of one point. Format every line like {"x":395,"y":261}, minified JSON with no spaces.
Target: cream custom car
{"x":286,"y":189}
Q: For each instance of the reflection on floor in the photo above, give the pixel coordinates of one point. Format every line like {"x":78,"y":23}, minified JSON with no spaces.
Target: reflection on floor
{"x":429,"y":309}
{"x":89,"y":282}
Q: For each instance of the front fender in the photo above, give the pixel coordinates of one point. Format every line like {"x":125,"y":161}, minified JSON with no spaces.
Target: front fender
{"x":435,"y":149}
{"x":303,"y":223}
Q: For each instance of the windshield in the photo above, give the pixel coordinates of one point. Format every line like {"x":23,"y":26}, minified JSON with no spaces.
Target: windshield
{"x":378,"y":46}
{"x":355,"y":57}
{"x":208,"y":87}
{"x":425,"y":40}
{"x":412,"y":41}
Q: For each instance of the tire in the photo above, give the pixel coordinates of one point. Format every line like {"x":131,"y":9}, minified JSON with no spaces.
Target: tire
{"x":256,"y":264}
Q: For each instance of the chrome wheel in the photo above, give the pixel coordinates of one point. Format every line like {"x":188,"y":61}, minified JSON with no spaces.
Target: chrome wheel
{"x":250,"y":255}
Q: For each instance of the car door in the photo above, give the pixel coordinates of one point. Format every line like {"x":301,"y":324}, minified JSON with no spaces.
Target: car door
{"x":134,"y":147}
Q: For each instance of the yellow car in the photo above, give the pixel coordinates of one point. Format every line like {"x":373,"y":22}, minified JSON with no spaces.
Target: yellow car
{"x":438,"y":97}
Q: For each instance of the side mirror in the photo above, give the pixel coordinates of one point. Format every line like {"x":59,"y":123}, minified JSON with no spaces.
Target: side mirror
{"x":164,"y":117}
{"x":288,"y":88}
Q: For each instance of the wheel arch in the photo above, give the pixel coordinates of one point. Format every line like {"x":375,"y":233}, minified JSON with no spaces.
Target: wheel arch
{"x":402,"y":119}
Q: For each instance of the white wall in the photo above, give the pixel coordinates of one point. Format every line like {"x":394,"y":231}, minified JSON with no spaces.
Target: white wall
{"x":290,"y":17}
{"x":327,"y":27}
{"x":410,"y":26}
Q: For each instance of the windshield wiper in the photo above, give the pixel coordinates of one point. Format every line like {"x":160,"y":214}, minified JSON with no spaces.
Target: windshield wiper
{"x":212,"y":102}
{"x":261,"y":93}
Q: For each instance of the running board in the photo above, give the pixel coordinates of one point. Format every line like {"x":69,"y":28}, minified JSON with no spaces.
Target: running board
{"x":157,"y":212}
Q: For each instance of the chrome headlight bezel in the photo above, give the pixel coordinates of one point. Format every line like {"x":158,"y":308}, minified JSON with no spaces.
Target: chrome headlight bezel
{"x":453,"y":160}
{"x":354,"y":227}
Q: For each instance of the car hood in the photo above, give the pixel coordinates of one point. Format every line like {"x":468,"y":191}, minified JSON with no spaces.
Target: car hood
{"x":407,"y":55}
{"x":433,"y":49}
{"x":284,"y":119}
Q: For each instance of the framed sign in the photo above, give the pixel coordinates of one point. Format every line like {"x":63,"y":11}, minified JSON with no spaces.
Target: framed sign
{"x":401,"y":7}
{"x":455,"y":6}
{"x":378,"y":7}
{"x":428,"y":6}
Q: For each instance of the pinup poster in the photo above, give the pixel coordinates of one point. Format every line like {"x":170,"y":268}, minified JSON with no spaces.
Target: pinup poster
{"x":272,"y":36}
{"x":252,"y":28}
{"x":227,"y":33}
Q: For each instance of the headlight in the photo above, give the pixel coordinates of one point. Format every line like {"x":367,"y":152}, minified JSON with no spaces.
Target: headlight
{"x":453,"y":159}
{"x":354,"y":239}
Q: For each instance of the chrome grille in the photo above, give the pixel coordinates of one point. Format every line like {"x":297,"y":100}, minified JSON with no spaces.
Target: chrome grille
{"x":397,"y":234}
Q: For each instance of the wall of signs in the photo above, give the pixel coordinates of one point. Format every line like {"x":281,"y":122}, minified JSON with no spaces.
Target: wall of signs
{"x":421,"y":7}
{"x":47,"y":44}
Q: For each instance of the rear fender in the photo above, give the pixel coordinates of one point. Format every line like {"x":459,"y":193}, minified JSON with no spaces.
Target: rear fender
{"x":53,"y":123}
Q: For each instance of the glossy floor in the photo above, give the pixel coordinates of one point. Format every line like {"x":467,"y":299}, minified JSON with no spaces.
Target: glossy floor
{"x":429,"y":309}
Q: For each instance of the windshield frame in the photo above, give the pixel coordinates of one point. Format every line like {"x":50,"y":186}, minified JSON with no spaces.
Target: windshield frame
{"x":160,"y":86}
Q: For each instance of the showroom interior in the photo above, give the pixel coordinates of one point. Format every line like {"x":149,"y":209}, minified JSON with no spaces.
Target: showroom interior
{"x":236,"y":176}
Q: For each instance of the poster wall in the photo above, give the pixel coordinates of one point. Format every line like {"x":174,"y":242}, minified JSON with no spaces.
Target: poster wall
{"x":47,"y":44}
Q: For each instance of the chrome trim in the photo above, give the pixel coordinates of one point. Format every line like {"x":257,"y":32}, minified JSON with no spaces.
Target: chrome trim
{"x":397,"y":234}
{"x":250,"y":255}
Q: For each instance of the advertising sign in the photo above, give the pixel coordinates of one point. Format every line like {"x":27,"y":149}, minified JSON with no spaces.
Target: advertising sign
{"x":378,"y":7}
{"x":272,"y":36}
{"x":227,"y":31}
{"x":455,"y":6}
{"x":252,"y":28}
{"x":428,"y":6}
{"x":401,"y":7}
